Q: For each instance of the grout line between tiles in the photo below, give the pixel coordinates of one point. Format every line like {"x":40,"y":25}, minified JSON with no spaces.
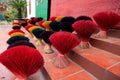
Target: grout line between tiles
{"x":112,"y":65}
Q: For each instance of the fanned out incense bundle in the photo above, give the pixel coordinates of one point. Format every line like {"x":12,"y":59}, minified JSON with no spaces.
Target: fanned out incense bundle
{"x":69,"y":19}
{"x":32,"y":18}
{"x":83,"y":17}
{"x":21,"y":43}
{"x":33,"y":22}
{"x":37,"y":19}
{"x":23,"y":23}
{"x":46,"y":25}
{"x":59,"y":18}
{"x":54,"y":26}
{"x":63,"y":42}
{"x":27,"y":27}
{"x":22,"y":61}
{"x":16,"y":25}
{"x":66,"y":26}
{"x":52,"y":18}
{"x":13,"y":31}
{"x":16,"y":32}
{"x":16,"y":38}
{"x":36,"y":32}
{"x":40,"y":23}
{"x":106,"y":20}
{"x":84,"y":28}
{"x":45,"y":36}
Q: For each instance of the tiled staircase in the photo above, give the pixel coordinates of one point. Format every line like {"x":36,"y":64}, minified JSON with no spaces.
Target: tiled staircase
{"x":102,"y":59}
{"x":99,"y":62}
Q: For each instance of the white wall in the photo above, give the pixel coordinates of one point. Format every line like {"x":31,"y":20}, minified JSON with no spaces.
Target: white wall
{"x":33,"y":10}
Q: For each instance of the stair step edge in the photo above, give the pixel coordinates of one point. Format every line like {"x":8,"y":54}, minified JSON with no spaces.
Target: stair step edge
{"x":83,"y":61}
{"x":63,"y":74}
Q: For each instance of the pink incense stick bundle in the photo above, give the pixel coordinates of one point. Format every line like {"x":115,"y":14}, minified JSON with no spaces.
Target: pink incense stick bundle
{"x":84,"y":28}
{"x":63,"y":42}
{"x":22,"y":61}
{"x":106,"y":20}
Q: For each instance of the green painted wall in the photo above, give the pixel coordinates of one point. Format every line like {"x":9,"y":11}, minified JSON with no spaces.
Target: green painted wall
{"x":42,"y":8}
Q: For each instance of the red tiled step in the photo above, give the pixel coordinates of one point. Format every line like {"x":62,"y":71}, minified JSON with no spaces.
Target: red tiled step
{"x":72,"y":72}
{"x":114,"y":32}
{"x":109,"y":39}
{"x":111,"y":44}
{"x":115,"y":69}
{"x":98,"y":62}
